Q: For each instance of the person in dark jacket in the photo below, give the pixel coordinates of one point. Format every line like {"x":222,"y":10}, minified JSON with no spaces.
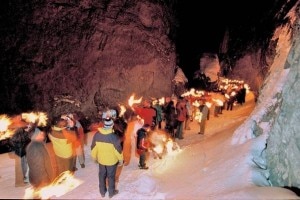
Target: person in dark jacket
{"x":120,"y":126}
{"x":142,"y":145}
{"x":18,"y":143}
{"x":204,"y":116}
{"x":181,"y":111}
{"x":41,"y":167}
{"x":170,"y":116}
{"x":159,"y":113}
{"x":231,"y":100}
{"x":107,"y":151}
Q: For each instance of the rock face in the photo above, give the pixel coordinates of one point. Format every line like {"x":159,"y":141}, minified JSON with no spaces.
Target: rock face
{"x":251,"y":69}
{"x":283,"y":148}
{"x":276,"y":115}
{"x":87,"y":55}
{"x":209,"y":64}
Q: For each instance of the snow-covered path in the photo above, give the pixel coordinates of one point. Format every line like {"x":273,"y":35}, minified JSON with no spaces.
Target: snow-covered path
{"x":206,"y":167}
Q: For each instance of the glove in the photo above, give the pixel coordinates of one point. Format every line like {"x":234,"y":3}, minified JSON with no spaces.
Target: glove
{"x":120,"y":163}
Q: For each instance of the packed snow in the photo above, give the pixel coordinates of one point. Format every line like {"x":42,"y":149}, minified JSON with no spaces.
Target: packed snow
{"x":209,"y":166}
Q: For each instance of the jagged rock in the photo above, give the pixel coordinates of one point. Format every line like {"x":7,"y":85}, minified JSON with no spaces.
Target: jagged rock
{"x":100,"y":53}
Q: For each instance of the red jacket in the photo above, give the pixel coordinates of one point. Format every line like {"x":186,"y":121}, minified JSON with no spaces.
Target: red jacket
{"x":146,"y":113}
{"x":181,"y":111}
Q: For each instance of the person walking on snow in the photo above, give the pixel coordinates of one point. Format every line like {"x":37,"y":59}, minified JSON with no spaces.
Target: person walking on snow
{"x":181,"y":117}
{"x":204,"y":116}
{"x":107,"y":151}
{"x":142,"y":145}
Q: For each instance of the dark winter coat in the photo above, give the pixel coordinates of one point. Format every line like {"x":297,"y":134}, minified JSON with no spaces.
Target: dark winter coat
{"x":41,"y":167}
{"x":119,"y":128}
{"x":159,"y":112}
{"x":19,"y":142}
{"x":141,"y":141}
{"x":170,"y":115}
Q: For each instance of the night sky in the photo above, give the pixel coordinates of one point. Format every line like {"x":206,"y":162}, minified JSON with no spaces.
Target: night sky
{"x":200,"y":30}
{"x":202,"y":27}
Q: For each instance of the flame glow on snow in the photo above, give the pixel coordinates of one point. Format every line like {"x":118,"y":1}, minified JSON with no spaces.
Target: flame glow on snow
{"x":63,"y":184}
{"x":162,"y":143}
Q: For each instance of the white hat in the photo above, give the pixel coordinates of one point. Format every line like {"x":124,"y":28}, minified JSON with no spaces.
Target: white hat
{"x":109,"y":113}
{"x":108,"y":122}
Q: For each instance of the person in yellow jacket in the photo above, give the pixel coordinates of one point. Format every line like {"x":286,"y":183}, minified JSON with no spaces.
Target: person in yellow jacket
{"x":106,"y":149}
{"x":64,"y":143}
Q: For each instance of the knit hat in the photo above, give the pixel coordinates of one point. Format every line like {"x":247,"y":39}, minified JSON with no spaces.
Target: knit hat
{"x":109,"y":114}
{"x":108,"y":122}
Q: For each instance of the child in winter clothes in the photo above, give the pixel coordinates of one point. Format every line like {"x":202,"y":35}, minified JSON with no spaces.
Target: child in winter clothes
{"x":142,"y":145}
{"x":19,"y":142}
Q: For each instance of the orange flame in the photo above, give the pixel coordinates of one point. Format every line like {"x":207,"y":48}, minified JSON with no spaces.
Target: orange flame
{"x":35,"y":117}
{"x":172,"y":146}
{"x":208,"y":104}
{"x":193,"y":92}
{"x":4,"y":124}
{"x":122,"y":110}
{"x":161,"y":101}
{"x":196,"y":103}
{"x":218,"y":102}
{"x":132,"y":101}
{"x":162,"y":143}
{"x":159,"y":149}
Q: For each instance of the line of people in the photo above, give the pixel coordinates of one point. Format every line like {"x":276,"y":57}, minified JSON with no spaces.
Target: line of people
{"x":66,"y":145}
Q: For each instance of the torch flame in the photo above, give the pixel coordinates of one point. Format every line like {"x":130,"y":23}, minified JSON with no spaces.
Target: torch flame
{"x":218,"y":102}
{"x":132,"y":101}
{"x":208,"y":104}
{"x":39,"y":117}
{"x":162,"y":143}
{"x":122,"y":110}
{"x":193,"y":92}
{"x":4,"y":123}
{"x":196,"y":103}
{"x":158,"y":149}
{"x":161,"y":101}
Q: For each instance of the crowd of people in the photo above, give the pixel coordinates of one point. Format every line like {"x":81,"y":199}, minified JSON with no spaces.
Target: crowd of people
{"x":43,"y":154}
{"x":178,"y":112}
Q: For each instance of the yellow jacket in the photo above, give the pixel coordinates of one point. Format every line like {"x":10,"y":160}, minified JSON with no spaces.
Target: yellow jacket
{"x":64,"y":142}
{"x":106,"y":147}
{"x":61,"y":147}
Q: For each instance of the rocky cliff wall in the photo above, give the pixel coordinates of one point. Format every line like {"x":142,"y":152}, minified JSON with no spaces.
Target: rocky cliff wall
{"x":276,"y":115}
{"x":283,"y":146}
{"x":86,"y":55}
